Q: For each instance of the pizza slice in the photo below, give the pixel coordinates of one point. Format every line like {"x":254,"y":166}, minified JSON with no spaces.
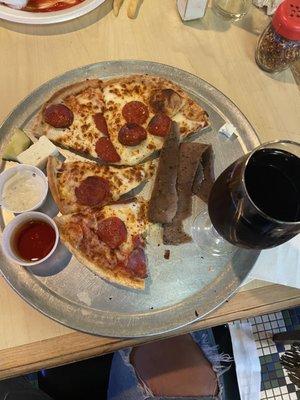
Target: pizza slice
{"x":73,"y":118}
{"x":109,"y":241}
{"x":78,"y":185}
{"x":138,"y":112}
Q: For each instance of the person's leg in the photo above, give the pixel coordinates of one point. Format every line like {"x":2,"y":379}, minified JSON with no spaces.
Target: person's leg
{"x":175,"y":367}
{"x":126,"y":384}
{"x":123,"y":381}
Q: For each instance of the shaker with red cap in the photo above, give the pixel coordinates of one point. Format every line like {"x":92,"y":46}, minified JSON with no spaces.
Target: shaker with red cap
{"x":279,"y":44}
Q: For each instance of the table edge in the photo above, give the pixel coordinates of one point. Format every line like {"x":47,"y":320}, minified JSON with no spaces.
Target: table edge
{"x":76,"y":346}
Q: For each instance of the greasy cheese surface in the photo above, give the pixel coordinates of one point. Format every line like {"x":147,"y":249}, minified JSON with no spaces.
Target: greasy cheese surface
{"x":121,"y":180}
{"x":83,"y":134}
{"x":109,"y":99}
{"x":79,"y":230}
{"x":118,"y":92}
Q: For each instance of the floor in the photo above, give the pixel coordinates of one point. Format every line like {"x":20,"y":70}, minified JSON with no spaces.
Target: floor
{"x":275,"y":382}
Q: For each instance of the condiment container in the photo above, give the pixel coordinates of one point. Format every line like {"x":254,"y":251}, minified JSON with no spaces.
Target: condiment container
{"x":12,"y":230}
{"x":279,"y":44}
{"x":232,"y":10}
{"x":191,"y":9}
{"x":23,"y":188}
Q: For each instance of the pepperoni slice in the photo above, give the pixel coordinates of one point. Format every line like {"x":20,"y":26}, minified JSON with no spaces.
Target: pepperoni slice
{"x":112,"y":231}
{"x":135,"y":112}
{"x":138,"y":241}
{"x":100,"y":123}
{"x":106,"y":151}
{"x":132,"y":134}
{"x":58,"y":116}
{"x":160,"y":125}
{"x":137,"y":263}
{"x":92,"y":191}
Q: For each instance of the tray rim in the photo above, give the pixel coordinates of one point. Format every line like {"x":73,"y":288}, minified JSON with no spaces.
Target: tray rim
{"x":252,"y":141}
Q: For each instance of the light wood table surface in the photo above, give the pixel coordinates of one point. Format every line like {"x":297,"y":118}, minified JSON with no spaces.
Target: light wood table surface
{"x":215,"y":50}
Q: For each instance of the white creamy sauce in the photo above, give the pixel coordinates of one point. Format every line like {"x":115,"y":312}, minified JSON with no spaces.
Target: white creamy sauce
{"x":22,"y":191}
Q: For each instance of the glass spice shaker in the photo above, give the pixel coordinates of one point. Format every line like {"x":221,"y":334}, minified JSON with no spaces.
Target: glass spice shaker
{"x":279,"y":45}
{"x":231,"y":9}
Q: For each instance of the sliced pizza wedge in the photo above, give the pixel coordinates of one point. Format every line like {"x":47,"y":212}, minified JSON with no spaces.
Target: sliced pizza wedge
{"x":78,"y":185}
{"x":73,"y":118}
{"x":138,"y":112}
{"x":109,"y":241}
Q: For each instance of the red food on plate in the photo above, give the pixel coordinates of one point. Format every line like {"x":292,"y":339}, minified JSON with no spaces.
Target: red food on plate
{"x":106,"y":151}
{"x":49,"y":5}
{"x":92,"y":191}
{"x":112,"y":231}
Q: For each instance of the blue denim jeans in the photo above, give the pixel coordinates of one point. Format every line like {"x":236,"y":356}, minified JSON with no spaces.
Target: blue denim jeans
{"x":125,"y":385}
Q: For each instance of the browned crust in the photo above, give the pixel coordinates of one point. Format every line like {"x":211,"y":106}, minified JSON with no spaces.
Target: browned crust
{"x":53,"y":166}
{"x":148,"y":78}
{"x":73,"y":89}
{"x":136,"y":77}
{"x":104,"y":273}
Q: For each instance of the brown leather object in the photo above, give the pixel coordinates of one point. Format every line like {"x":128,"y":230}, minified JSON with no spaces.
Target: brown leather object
{"x":175,"y":367}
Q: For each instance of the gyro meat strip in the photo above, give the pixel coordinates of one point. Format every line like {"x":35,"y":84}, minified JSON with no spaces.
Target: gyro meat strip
{"x":189,"y":161}
{"x":163,"y":202}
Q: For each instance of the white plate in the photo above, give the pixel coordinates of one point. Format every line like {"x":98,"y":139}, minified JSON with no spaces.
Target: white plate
{"x":52,"y":17}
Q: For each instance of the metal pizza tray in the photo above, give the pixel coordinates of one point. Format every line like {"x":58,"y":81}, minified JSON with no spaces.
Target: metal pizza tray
{"x":178,"y":291}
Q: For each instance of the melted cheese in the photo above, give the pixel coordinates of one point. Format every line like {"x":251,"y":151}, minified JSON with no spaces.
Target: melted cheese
{"x":121,"y":180}
{"x":132,"y":214}
{"x":129,"y":155}
{"x":83,"y":134}
{"x":117,"y":94}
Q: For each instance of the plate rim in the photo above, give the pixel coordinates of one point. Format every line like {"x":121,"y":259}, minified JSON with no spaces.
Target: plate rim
{"x":51,"y":17}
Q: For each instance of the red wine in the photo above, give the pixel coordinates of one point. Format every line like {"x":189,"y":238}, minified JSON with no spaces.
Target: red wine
{"x":258,"y":214}
{"x":272,"y":180}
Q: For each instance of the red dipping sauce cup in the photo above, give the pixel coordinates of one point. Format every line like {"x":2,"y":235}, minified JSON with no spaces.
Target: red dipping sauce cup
{"x":30,"y":238}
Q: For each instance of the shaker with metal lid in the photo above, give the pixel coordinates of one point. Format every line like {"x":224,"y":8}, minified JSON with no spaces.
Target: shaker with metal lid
{"x":279,"y":44}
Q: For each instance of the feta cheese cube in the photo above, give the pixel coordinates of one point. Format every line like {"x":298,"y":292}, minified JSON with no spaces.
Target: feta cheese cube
{"x":38,"y":153}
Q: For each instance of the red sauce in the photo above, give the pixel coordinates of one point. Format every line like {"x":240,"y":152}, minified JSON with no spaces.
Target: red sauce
{"x":33,"y":240}
{"x":37,"y":5}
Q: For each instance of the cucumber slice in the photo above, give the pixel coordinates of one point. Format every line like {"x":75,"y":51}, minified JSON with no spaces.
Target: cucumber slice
{"x":18,"y":143}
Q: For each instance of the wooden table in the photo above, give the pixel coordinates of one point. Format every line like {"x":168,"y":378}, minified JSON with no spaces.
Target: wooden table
{"x":217,"y":51}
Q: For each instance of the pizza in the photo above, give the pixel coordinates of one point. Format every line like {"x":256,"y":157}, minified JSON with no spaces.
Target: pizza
{"x":73,"y":117}
{"x":139,"y":110}
{"x":78,"y":185}
{"x":109,"y":241}
{"x":119,"y":121}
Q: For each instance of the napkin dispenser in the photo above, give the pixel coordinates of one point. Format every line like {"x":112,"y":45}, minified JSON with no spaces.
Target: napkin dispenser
{"x":191,"y":9}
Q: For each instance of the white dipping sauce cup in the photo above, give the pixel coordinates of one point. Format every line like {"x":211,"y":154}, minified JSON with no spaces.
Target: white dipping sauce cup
{"x":7,"y":174}
{"x":11,"y":228}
